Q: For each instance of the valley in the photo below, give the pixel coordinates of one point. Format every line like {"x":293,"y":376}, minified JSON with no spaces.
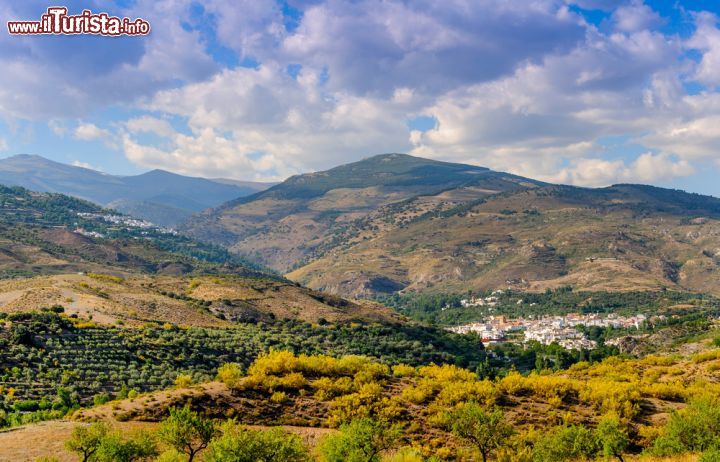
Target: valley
{"x":413,"y":290}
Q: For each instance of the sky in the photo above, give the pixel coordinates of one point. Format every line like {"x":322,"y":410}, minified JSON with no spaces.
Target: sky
{"x":583,"y":92}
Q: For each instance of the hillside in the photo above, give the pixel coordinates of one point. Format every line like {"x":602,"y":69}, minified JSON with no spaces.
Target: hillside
{"x":309,"y":215}
{"x":659,"y":405}
{"x":201,"y":301}
{"x":161,"y":197}
{"x":43,"y":233}
{"x":625,"y":237}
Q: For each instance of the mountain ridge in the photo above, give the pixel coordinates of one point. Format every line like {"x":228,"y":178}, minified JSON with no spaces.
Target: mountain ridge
{"x":297,"y":219}
{"x":362,"y":229}
{"x":170,"y":198}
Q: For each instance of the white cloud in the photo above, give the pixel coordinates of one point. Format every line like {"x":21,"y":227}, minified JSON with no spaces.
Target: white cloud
{"x":647,"y":168}
{"x":707,"y":39}
{"x":528,"y":87}
{"x":536,"y":109}
{"x":89,"y":132}
{"x":291,"y":125}
{"x":67,"y":77}
{"x":57,"y":127}
{"x":635,"y":16}
{"x":148,"y":124}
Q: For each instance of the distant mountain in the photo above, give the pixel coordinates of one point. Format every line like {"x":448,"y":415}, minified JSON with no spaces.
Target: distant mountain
{"x":162,"y":197}
{"x":308,"y":215}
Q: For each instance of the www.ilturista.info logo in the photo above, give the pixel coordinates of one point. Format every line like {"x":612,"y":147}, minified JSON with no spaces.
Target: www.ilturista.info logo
{"x":56,"y":21}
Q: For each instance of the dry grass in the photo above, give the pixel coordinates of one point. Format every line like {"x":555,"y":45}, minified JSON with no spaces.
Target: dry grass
{"x":138,"y":300}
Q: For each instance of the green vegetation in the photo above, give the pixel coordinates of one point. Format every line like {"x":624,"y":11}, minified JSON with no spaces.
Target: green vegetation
{"x":86,"y":440}
{"x":238,"y":444}
{"x":483,"y":428}
{"x":445,"y":309}
{"x":48,"y":366}
{"x":404,"y":413}
{"x":389,"y":170}
{"x":187,"y":432}
{"x":694,"y":429}
{"x":361,"y":440}
{"x":29,"y":218}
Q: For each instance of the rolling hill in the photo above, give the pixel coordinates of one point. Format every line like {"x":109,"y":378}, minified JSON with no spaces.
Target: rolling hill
{"x":162,"y":197}
{"x":58,"y":250}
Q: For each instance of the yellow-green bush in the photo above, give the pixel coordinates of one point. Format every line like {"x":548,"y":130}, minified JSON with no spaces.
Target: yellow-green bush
{"x":327,"y":388}
{"x":403,"y":370}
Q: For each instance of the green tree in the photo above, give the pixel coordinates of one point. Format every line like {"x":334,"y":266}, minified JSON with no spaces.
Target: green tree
{"x":187,"y":431}
{"x":613,"y":438}
{"x":362,"y":440}
{"x":238,"y":444}
{"x":85,"y":440}
{"x":485,"y":429}
{"x":116,"y":448}
{"x":570,"y":442}
{"x":696,"y":428}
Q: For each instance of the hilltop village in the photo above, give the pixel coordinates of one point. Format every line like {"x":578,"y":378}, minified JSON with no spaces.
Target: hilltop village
{"x":548,"y":329}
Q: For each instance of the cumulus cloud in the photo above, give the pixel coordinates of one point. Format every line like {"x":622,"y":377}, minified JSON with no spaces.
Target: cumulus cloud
{"x":89,"y":132}
{"x":635,"y":16}
{"x":706,"y":39}
{"x":373,"y":46}
{"x":78,"y":163}
{"x":149,"y":124}
{"x":366,"y":69}
{"x":264,"y":114}
{"x":62,"y":77}
{"x":528,"y":87}
{"x":647,"y":168}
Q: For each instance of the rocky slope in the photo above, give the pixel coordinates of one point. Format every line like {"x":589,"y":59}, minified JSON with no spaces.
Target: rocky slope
{"x":618,"y":238}
{"x":309,"y":215}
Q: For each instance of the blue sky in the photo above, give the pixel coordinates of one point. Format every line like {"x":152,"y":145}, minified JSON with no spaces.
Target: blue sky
{"x":586,"y":92}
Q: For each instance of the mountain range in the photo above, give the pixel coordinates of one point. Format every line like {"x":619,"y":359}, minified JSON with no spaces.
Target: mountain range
{"x":59,"y":250}
{"x":395,"y":222}
{"x":162,"y":197}
{"x":304,"y":217}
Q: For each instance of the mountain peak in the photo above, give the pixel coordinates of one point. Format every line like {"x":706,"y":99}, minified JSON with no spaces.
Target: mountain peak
{"x":31,"y":157}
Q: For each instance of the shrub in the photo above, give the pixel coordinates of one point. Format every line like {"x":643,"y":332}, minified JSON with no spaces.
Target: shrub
{"x":183,"y":381}
{"x":114,"y":447}
{"x":100,"y":399}
{"x":403,"y":370}
{"x":695,"y":428}
{"x":230,"y":374}
{"x":612,"y":437}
